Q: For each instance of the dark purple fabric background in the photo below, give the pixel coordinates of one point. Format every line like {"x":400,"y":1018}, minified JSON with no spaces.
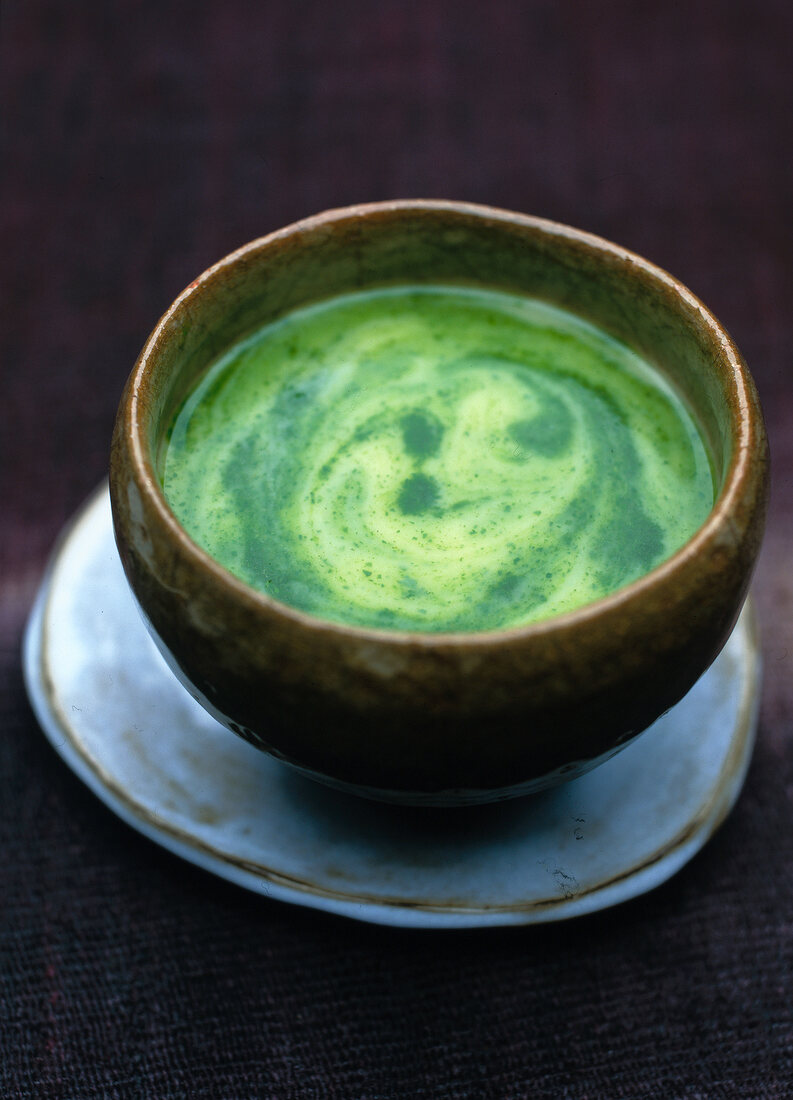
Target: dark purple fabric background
{"x":140,"y":142}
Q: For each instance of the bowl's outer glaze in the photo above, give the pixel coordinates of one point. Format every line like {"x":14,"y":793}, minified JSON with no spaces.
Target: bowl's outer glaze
{"x":441,"y":717}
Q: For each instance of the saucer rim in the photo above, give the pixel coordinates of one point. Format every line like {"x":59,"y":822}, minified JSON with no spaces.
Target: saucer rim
{"x":632,"y":882}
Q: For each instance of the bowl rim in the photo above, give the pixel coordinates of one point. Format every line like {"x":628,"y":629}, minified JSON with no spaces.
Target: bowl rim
{"x":748,"y":436}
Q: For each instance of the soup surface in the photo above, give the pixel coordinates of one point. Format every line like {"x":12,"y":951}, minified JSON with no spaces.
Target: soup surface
{"x":435,"y":458}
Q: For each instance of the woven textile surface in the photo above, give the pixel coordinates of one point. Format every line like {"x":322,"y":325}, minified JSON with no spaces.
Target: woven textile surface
{"x":142,"y":141}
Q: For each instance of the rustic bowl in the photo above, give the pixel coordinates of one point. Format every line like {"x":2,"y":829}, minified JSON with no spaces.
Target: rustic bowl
{"x":441,"y":718}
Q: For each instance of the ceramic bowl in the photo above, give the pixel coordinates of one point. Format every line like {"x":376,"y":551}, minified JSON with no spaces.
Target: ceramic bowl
{"x":441,"y":718}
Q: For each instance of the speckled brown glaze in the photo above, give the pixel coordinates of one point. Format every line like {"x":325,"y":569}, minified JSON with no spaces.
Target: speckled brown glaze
{"x":431,"y":717}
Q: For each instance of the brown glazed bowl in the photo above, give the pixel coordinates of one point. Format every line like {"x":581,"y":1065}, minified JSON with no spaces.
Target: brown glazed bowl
{"x":441,"y":718}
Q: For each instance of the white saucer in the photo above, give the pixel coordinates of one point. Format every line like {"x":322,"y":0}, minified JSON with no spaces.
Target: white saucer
{"x":121,"y":721}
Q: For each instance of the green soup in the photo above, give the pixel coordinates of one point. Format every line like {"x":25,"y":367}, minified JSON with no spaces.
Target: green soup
{"x":436,"y":458}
